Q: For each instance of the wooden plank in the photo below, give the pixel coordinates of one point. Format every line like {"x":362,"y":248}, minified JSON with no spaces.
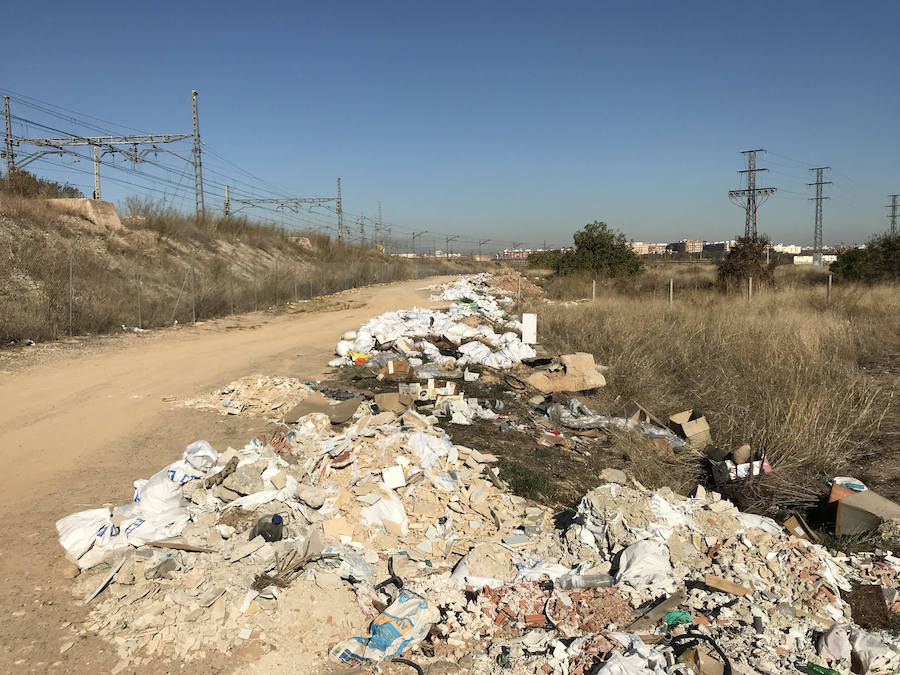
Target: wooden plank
{"x":652,"y":616}
{"x":726,"y":586}
{"x":180,"y":546}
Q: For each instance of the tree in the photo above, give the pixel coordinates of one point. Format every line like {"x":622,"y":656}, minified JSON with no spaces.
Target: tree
{"x":747,"y":258}
{"x":601,"y":251}
{"x":878,"y":261}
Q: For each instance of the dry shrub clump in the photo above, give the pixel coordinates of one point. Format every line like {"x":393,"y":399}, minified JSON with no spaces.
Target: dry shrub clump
{"x":781,"y":372}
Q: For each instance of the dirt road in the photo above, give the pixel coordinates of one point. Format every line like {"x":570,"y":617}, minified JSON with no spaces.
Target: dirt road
{"x":78,"y":425}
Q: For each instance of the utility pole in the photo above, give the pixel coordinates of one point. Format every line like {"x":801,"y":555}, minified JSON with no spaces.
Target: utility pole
{"x":376,"y":228}
{"x":893,"y":207}
{"x":8,"y":153}
{"x":750,"y":198}
{"x":449,"y":239}
{"x":817,"y":232}
{"x":97,"y":174}
{"x":340,"y":211}
{"x":414,"y":235}
{"x":362,"y":229}
{"x":480,"y":243}
{"x":227,"y":209}
{"x":199,"y":205}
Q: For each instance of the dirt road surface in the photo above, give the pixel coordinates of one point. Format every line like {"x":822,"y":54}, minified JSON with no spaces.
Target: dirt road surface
{"x":79,"y":423}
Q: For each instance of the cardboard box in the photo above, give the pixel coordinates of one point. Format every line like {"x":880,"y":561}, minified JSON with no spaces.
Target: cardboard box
{"x":692,"y":427}
{"x":863,"y":512}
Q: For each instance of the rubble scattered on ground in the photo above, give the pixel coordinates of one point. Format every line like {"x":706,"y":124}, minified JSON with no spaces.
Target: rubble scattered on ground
{"x":256,"y":395}
{"x":398,"y":541}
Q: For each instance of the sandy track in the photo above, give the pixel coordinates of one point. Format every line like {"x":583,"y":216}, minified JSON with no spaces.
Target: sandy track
{"x":78,"y":426}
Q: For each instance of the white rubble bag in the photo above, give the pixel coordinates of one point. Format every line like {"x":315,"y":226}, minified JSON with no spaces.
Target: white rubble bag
{"x":644,"y":563}
{"x":158,"y":511}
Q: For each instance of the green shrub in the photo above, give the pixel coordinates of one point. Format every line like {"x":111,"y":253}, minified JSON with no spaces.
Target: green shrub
{"x":878,"y":261}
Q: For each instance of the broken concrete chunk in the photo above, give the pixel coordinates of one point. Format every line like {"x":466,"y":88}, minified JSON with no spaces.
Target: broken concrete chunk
{"x":279,"y":480}
{"x":163,"y":570}
{"x":613,"y":476}
{"x":248,"y":548}
{"x":245,"y":480}
{"x":225,"y":531}
{"x":311,"y":495}
{"x":491,"y":561}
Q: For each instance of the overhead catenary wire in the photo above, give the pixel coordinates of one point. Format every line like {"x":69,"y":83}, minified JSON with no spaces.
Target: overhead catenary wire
{"x":159,"y":177}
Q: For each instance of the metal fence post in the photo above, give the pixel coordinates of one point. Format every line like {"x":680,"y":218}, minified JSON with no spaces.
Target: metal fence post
{"x":71,"y":290}
{"x":193,"y":297}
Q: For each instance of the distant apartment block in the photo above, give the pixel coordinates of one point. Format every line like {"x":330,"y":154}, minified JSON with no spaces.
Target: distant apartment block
{"x":647,"y":248}
{"x":517,"y":253}
{"x":791,"y":249}
{"x":808,"y":259}
{"x":718,"y":246}
{"x":686,"y":246}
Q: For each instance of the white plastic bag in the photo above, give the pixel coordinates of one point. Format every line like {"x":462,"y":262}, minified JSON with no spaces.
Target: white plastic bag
{"x":644,"y":563}
{"x":158,"y":511}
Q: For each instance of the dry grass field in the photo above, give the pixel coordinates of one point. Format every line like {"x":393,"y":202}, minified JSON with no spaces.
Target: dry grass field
{"x":812,"y":386}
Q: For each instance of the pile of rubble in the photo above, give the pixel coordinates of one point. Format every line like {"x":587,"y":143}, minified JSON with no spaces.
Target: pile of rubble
{"x":256,"y":395}
{"x":362,"y":532}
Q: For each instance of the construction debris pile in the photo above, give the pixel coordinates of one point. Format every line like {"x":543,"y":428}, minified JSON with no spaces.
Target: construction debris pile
{"x":257,"y":395}
{"x":361,"y":532}
{"x":468,"y":329}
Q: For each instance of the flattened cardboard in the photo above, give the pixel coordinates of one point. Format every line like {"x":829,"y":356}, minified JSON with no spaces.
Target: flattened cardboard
{"x":635,"y":411}
{"x":393,"y":402}
{"x":799,"y":528}
{"x":317,"y":403}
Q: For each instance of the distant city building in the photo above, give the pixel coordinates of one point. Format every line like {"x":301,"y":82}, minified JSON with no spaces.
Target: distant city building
{"x":718,"y":246}
{"x":791,"y":249}
{"x":685,"y":246}
{"x":640,"y":247}
{"x":516,"y":253}
{"x":808,"y":259}
{"x":646,"y":248}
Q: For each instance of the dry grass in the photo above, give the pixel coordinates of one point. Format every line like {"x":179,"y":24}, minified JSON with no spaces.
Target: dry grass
{"x":162,"y":267}
{"x":782,"y":372}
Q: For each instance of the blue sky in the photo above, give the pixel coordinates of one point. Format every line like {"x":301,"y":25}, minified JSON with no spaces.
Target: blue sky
{"x":508,"y":120}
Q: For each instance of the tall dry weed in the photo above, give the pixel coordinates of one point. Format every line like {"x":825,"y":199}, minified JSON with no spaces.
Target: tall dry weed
{"x":781,"y":372}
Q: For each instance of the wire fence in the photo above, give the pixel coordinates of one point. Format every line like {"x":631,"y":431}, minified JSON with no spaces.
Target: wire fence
{"x":76,"y":291}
